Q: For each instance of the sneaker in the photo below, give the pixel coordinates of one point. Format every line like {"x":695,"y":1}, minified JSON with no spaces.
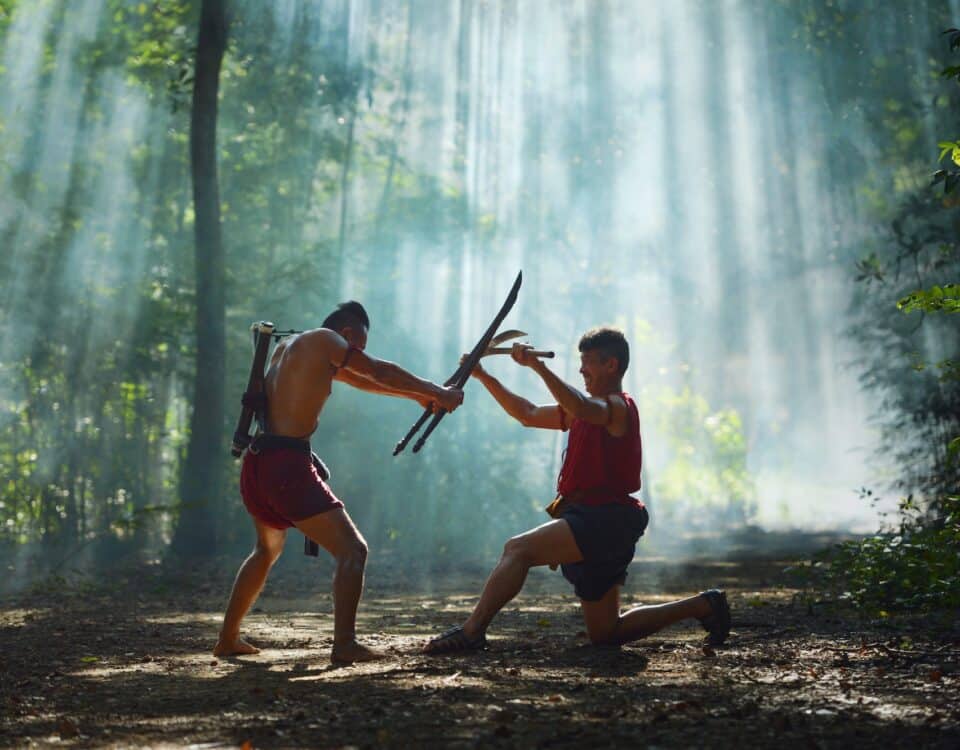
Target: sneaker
{"x":717,"y":623}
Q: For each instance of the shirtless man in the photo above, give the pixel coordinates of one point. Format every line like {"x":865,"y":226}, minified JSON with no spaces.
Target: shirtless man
{"x":280,"y":483}
{"x":597,"y":521}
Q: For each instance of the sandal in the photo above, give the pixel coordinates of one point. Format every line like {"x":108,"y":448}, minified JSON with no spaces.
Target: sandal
{"x":452,"y":640}
{"x":717,"y":624}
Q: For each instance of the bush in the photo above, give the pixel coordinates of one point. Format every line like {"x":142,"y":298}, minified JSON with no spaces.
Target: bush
{"x":914,"y":567}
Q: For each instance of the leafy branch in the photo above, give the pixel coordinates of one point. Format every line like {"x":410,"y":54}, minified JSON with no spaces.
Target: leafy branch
{"x":935,"y":299}
{"x":949,"y":177}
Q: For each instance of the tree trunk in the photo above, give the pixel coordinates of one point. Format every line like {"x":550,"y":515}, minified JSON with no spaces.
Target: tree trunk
{"x":201,"y":476}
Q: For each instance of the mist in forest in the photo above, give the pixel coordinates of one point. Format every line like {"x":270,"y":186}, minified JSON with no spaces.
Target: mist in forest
{"x":703,"y":175}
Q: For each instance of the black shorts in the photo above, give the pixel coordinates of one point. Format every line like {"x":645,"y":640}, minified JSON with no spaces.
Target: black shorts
{"x":607,"y":537}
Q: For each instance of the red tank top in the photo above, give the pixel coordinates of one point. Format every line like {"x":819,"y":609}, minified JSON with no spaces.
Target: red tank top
{"x":599,"y":468}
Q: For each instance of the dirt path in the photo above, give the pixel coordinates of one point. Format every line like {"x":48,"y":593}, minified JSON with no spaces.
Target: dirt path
{"x":130,"y":665}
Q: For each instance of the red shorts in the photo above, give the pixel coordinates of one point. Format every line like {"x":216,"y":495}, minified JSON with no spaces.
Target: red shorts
{"x":282,"y":486}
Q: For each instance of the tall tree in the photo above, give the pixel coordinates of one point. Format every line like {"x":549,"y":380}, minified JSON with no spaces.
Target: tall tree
{"x":201,"y":474}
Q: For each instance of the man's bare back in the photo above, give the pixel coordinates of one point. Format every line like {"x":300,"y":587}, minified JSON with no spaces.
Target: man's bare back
{"x":299,"y":381}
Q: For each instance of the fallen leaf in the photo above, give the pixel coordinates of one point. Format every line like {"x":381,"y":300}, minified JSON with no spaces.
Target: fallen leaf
{"x":67,"y":728}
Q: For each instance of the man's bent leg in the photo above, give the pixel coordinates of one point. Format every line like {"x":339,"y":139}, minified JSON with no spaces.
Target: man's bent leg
{"x":549,"y":544}
{"x":246,"y":588}
{"x":606,"y":626}
{"x":335,"y":531}
{"x":602,"y":617}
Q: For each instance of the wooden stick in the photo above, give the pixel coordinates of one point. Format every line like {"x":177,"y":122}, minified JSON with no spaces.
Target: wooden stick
{"x":507,"y":350}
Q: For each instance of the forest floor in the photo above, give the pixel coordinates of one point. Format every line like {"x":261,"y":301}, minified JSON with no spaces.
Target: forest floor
{"x":126,"y":663}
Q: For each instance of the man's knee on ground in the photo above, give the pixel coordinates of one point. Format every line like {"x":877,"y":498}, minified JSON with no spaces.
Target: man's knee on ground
{"x":604,"y":635}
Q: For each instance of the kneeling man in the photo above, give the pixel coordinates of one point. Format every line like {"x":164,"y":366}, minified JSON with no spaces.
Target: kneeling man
{"x":597,"y":520}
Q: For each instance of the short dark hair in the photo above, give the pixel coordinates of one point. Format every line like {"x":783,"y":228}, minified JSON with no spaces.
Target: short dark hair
{"x":610,"y":341}
{"x":347,"y":314}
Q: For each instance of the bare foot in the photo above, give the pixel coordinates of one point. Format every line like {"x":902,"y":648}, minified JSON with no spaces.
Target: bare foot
{"x":233,"y":647}
{"x":348,"y":653}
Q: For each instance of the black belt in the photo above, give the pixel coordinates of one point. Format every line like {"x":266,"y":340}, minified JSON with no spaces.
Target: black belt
{"x":266,"y":442}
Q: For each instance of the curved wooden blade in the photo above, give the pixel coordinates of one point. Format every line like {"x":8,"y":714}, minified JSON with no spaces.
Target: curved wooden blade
{"x":462,"y":373}
{"x":512,"y":333}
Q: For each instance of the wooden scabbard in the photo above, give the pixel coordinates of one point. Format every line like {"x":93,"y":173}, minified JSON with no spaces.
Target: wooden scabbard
{"x":262,"y":333}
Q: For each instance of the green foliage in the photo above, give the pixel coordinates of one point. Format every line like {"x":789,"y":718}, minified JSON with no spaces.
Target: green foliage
{"x":935,"y":299}
{"x":950,"y":178}
{"x":101,"y":304}
{"x":94,"y":411}
{"x":707,"y":478}
{"x":319,"y":197}
{"x":914,"y":567}
{"x":916,"y":416}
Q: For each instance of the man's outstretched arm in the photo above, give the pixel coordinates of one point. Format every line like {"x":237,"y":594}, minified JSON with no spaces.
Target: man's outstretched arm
{"x":389,"y":375}
{"x":610,"y":413}
{"x":365,"y":384}
{"x":547,"y":417}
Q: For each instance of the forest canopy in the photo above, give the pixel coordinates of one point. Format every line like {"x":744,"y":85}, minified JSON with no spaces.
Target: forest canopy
{"x":744,"y":190}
